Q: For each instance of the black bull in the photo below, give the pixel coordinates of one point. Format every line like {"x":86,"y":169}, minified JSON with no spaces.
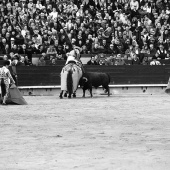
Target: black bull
{"x":94,"y":79}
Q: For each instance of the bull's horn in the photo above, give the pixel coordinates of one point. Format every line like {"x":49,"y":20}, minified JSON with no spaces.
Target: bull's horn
{"x":85,"y":79}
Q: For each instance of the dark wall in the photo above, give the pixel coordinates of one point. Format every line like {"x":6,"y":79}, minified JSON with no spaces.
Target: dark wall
{"x":134,"y":74}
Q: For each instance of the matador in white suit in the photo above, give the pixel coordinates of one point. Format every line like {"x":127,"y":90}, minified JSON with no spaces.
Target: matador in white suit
{"x":5,"y":79}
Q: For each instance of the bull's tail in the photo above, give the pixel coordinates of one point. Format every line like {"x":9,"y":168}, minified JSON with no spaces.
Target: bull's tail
{"x":70,"y":82}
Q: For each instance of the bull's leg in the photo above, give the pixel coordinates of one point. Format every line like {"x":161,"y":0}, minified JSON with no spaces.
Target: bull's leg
{"x":84,"y":90}
{"x":65,"y":94}
{"x":107,"y":90}
{"x":61,"y":94}
{"x":90,"y":89}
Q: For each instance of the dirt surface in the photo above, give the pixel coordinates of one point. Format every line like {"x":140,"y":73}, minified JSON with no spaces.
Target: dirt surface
{"x":102,"y":133}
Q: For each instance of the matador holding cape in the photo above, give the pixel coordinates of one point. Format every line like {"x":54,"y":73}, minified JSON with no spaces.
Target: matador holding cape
{"x":5,"y":81}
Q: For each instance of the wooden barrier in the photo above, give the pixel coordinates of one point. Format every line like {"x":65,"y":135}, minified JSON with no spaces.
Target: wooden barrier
{"x":134,"y":74}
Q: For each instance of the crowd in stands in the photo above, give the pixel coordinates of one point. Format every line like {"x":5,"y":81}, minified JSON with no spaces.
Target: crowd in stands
{"x":136,"y":30}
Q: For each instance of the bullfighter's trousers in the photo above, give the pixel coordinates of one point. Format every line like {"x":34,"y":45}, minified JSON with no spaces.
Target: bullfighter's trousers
{"x":4,"y":90}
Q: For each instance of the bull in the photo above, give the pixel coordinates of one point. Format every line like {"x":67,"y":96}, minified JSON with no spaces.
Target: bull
{"x":95,"y":79}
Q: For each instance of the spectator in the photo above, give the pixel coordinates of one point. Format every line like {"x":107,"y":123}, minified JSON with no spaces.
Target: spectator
{"x":5,"y":57}
{"x":155,"y":61}
{"x":152,"y":50}
{"x":41,"y":49}
{"x":21,"y":61}
{"x":112,"y":49}
{"x":92,"y":61}
{"x":96,"y":26}
{"x":109,"y":61}
{"x":14,"y":49}
{"x":6,"y":50}
{"x":145,"y":61}
{"x":162,"y":53}
{"x":27,"y":62}
{"x":84,"y":50}
{"x":119,"y":60}
{"x":53,"y":62}
{"x":134,"y":5}
{"x":135,"y":60}
{"x":41,"y":61}
{"x":51,"y":50}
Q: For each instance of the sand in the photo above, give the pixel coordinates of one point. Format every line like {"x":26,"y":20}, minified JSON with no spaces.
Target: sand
{"x":100,"y":133}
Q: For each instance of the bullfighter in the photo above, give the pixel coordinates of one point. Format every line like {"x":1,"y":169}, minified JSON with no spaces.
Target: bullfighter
{"x":5,"y":79}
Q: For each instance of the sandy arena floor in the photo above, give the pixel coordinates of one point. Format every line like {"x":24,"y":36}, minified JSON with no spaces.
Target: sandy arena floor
{"x":102,"y":133}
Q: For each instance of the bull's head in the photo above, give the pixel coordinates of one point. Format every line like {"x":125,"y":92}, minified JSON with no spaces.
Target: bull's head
{"x":85,"y":79}
{"x":82,"y":82}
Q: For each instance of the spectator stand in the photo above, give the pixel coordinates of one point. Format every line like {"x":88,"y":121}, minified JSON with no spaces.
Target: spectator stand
{"x":128,"y":33}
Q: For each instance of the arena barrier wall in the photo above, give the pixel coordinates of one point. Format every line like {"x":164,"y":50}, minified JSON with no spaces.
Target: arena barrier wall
{"x":120,"y":75}
{"x":135,"y":79}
